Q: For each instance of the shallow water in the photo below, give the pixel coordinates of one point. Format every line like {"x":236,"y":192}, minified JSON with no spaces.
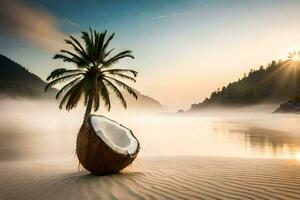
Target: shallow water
{"x":38,"y":130}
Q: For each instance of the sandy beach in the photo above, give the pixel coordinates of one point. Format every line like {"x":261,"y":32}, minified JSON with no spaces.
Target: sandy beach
{"x":155,"y":178}
{"x":238,"y":157}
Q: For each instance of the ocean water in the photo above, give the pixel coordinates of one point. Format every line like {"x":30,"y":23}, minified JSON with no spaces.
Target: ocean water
{"x":38,"y":130}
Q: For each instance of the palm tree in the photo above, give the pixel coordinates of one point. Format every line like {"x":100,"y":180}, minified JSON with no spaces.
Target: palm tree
{"x":93,"y":77}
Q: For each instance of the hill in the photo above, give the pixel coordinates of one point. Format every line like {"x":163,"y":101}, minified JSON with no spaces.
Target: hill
{"x":291,"y":106}
{"x":16,"y":81}
{"x":276,"y":83}
{"x":142,"y":102}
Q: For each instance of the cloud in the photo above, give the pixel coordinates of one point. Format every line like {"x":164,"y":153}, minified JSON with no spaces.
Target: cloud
{"x":31,"y":23}
{"x":175,"y":14}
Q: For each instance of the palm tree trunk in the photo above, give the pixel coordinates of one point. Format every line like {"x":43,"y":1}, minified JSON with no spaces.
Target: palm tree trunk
{"x":90,"y":101}
{"x":88,"y":109}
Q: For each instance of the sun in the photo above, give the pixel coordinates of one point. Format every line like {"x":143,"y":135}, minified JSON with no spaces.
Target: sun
{"x":294,"y":56}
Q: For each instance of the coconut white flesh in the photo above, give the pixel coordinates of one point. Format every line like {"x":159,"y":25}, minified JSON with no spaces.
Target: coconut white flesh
{"x":116,"y":136}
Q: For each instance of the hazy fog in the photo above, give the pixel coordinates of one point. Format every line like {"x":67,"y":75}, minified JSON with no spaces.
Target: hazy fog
{"x":39,"y":130}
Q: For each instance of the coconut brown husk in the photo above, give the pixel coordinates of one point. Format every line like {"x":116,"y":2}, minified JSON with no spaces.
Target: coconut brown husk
{"x":96,"y":156}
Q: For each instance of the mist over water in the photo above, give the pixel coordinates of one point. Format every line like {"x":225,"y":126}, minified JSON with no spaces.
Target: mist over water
{"x":38,"y":130}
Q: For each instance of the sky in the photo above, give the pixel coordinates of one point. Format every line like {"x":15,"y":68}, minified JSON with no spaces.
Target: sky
{"x":184,"y":49}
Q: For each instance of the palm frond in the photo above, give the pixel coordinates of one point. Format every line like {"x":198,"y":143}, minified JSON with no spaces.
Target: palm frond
{"x":74,"y":97}
{"x":100,"y":46}
{"x":70,"y":84}
{"x":65,"y":58}
{"x":77,"y":47}
{"x":72,"y":102}
{"x":116,"y":91}
{"x":61,"y":79}
{"x":122,"y":76}
{"x":61,"y":72}
{"x":91,"y":37}
{"x":107,"y":43}
{"x":124,"y":86}
{"x":104,"y":94}
{"x":77,"y":43}
{"x":107,"y":54}
{"x":116,"y":58}
{"x":135,"y":73}
{"x":80,"y":60}
{"x":88,"y":41}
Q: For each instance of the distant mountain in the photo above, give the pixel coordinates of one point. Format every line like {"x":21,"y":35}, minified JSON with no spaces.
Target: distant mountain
{"x":142,"y":102}
{"x":16,"y":81}
{"x":276,"y":83}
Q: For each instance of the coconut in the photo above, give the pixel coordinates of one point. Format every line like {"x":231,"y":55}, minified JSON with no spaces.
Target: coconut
{"x":104,"y":146}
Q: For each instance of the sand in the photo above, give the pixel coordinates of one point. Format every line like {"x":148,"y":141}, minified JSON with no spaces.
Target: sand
{"x":155,"y":178}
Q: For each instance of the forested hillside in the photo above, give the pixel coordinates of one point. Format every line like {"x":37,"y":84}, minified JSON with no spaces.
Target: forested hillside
{"x":274,"y":83}
{"x":16,"y":81}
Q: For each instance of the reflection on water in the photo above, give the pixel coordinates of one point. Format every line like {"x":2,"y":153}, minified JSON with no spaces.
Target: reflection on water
{"x":46,"y":133}
{"x":298,"y":156}
{"x":263,"y":142}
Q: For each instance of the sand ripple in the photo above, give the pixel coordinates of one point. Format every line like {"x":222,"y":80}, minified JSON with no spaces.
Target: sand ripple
{"x":155,"y":178}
